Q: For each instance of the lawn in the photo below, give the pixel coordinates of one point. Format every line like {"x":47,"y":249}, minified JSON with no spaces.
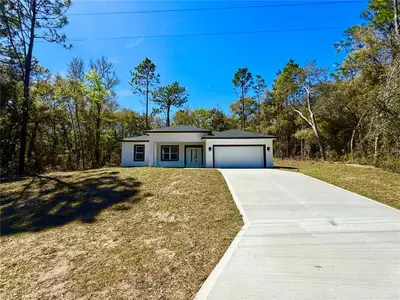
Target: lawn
{"x":114,"y":233}
{"x":375,"y":183}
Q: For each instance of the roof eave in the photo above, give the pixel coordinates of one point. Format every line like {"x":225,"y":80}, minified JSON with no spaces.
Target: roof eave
{"x":179,"y":131}
{"x":235,"y":138}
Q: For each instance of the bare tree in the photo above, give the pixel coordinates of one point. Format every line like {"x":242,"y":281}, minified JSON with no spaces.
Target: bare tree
{"x":309,"y":80}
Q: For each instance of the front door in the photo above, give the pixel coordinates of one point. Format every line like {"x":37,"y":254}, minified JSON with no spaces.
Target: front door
{"x":194,"y":157}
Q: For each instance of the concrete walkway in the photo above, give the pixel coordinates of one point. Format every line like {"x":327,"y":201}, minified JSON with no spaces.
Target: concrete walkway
{"x":306,"y":239}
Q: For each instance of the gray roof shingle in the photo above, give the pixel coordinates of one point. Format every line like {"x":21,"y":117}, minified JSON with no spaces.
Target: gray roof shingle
{"x":238,"y":134}
{"x":178,"y":128}
{"x":141,"y":138}
{"x":229,"y":134}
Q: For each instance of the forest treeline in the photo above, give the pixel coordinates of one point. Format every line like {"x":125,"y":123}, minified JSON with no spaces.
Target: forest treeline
{"x":72,"y":121}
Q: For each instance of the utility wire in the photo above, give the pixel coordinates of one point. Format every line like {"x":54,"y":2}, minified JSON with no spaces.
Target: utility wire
{"x":206,"y":34}
{"x":217,"y":8}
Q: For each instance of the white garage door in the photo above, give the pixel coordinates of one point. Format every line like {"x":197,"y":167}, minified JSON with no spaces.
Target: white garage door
{"x":239,"y":156}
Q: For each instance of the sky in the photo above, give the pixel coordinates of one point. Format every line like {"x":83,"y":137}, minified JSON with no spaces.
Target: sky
{"x":205,"y":65}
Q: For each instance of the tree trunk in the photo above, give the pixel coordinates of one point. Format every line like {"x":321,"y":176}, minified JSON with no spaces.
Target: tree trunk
{"x":313,"y":124}
{"x":26,"y":102}
{"x":168,"y":111}
{"x":243,"y":116}
{"x":301,"y":149}
{"x":315,"y":128}
{"x":353,"y":135}
{"x":55,"y":141}
{"x":396,"y":17}
{"x":147,"y":105}
{"x":69,"y":145}
{"x":97,"y":140}
{"x":82,"y":145}
{"x":376,"y":149}
{"x":320,"y":144}
{"x":74,"y":131}
{"x":31,"y":148}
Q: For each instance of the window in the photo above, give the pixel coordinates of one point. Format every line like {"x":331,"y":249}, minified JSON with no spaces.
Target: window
{"x":169,"y":153}
{"x":138,"y":153}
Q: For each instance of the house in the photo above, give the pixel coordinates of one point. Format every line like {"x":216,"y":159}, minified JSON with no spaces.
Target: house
{"x":188,"y":146}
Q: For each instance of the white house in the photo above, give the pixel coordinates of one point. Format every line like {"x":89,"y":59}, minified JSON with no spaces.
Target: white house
{"x":188,"y":146}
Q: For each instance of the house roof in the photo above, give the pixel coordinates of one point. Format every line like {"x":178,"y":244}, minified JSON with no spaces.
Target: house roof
{"x":178,"y":128}
{"x":229,"y":134}
{"x":238,"y":134}
{"x":141,"y":138}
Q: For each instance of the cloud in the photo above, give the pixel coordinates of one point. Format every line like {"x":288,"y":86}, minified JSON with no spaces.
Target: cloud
{"x":134,"y":44}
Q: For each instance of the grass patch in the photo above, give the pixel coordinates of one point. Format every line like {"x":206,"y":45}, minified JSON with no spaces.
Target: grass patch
{"x":374,"y":183}
{"x":114,"y":233}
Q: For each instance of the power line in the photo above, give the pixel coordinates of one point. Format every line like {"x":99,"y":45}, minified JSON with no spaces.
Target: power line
{"x":207,"y":34}
{"x":217,"y":8}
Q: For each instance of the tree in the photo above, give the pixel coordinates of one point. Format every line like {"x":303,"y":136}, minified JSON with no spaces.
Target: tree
{"x":105,"y":69}
{"x":97,"y":94}
{"x":259,"y":90}
{"x":300,"y":86}
{"x":144,"y":79}
{"x":183,"y":117}
{"x":247,"y":112}
{"x":243,"y":81}
{"x":218,"y":120}
{"x":24,"y":22}
{"x":168,"y":96}
{"x":76,"y":78}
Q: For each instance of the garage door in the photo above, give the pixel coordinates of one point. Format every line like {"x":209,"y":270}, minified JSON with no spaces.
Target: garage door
{"x":245,"y":156}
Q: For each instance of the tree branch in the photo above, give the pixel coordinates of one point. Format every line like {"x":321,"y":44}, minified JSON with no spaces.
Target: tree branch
{"x":10,"y":38}
{"x":301,"y":115}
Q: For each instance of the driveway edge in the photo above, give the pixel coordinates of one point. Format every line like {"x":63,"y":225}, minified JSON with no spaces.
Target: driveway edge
{"x":236,"y":199}
{"x":354,"y":193}
{"x":208,"y":285}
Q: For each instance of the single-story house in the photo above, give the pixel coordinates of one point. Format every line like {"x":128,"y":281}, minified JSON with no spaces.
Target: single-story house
{"x":188,"y":146}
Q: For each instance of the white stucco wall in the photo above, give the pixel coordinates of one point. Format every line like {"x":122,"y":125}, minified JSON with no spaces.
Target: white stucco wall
{"x":174,"y":164}
{"x":127,"y":154}
{"x":177,"y":137}
{"x":212,"y":142}
{"x":153,"y":149}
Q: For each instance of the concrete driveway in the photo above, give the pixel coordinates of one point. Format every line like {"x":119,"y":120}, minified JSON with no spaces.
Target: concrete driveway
{"x":306,"y":239}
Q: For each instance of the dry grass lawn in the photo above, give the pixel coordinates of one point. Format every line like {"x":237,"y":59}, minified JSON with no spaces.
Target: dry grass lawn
{"x":375,"y":183}
{"x":114,"y":233}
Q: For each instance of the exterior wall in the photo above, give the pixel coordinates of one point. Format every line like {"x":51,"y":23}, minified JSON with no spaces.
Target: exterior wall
{"x":127,"y":154}
{"x":173,"y":164}
{"x":211,"y":142}
{"x":177,"y":137}
{"x":153,"y":149}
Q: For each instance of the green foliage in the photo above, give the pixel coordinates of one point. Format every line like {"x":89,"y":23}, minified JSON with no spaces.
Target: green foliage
{"x":169,"y":96}
{"x":243,"y":82}
{"x":144,"y":80}
{"x":144,"y":77}
{"x":74,"y":121}
{"x":212,"y":119}
{"x":250,"y":110}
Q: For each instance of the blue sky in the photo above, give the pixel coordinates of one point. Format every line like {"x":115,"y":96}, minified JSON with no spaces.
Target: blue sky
{"x":203,"y":64}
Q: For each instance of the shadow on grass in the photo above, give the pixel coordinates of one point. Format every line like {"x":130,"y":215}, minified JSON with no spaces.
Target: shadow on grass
{"x":46,"y":201}
{"x":285,"y":168}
